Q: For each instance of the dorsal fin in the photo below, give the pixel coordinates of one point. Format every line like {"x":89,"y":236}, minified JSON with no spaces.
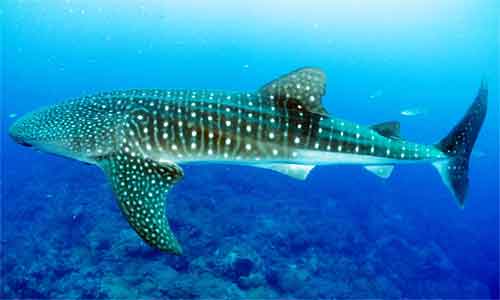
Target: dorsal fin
{"x":300,"y":89}
{"x":388,"y":129}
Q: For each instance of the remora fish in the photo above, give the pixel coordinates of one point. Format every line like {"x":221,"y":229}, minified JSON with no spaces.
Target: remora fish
{"x":139,"y":138}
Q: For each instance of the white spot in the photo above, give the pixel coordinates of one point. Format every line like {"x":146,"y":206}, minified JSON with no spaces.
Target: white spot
{"x":174,"y":147}
{"x":194,"y":133}
{"x":296,"y":140}
{"x":249,"y":128}
{"x":316,"y":146}
{"x":193,"y":145}
{"x":271,"y":135}
{"x":228,"y":141}
{"x":248,"y":147}
{"x":228,"y":123}
{"x":275,"y":152}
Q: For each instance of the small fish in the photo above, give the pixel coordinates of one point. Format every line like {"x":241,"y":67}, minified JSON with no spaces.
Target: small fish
{"x":413,"y":112}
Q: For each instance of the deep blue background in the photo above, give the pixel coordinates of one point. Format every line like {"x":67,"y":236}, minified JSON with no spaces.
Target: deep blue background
{"x":379,"y":58}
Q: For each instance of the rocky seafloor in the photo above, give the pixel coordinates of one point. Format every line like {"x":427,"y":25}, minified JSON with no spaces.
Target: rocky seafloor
{"x":246,"y":233}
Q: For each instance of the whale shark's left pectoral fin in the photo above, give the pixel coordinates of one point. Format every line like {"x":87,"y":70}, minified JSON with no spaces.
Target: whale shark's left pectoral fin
{"x":140,"y":186}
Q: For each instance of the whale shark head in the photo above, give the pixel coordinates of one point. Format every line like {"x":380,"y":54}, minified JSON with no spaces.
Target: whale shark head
{"x":70,"y":129}
{"x":45,"y":129}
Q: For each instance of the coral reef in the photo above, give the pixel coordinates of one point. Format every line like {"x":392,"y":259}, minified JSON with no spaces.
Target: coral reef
{"x":243,"y":238}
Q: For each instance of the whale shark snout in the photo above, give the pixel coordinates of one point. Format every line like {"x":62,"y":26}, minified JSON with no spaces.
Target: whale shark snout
{"x":16,"y":133}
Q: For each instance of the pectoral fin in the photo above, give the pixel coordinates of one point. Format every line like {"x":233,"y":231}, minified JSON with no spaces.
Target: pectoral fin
{"x":140,"y":186}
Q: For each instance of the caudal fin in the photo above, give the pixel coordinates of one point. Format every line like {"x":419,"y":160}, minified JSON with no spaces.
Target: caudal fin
{"x":458,"y":144}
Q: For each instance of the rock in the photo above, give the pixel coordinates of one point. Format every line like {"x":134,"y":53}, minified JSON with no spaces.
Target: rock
{"x":235,"y":261}
{"x":292,"y":277}
{"x":251,"y":281}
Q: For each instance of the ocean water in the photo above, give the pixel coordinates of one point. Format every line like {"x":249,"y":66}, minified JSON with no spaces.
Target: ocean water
{"x":248,"y":232}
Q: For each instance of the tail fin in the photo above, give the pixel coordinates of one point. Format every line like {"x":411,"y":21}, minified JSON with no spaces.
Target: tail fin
{"x":457,"y":145}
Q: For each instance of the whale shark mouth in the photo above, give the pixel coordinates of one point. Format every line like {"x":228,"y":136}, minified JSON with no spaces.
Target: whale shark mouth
{"x":25,"y":144}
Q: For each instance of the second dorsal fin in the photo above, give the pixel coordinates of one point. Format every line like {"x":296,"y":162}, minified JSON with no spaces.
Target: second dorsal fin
{"x":388,"y":129}
{"x":300,"y":89}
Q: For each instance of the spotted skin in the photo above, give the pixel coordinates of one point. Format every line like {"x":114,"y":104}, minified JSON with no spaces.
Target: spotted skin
{"x":139,"y":138}
{"x":142,"y":184}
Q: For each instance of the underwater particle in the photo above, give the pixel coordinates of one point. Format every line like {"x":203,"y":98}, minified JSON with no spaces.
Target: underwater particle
{"x":478,"y":154}
{"x":245,"y":66}
{"x":12,"y":115}
{"x":376,"y":94}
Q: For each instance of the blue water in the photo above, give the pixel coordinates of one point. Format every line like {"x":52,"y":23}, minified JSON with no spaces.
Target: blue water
{"x":252,"y":233}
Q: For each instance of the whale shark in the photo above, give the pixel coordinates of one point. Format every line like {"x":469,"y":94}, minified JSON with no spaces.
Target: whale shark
{"x":140,"y":138}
